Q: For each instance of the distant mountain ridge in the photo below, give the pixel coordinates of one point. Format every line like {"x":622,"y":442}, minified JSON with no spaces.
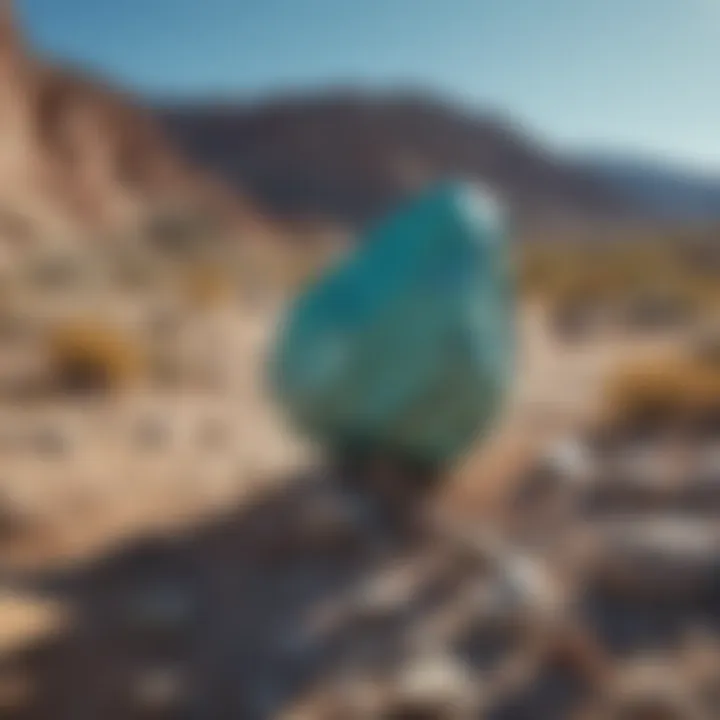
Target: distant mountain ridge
{"x":351,"y":156}
{"x":659,"y":189}
{"x":77,"y":156}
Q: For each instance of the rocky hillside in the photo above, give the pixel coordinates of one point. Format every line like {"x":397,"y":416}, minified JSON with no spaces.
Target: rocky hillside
{"x":78,"y":155}
{"x":349,"y":156}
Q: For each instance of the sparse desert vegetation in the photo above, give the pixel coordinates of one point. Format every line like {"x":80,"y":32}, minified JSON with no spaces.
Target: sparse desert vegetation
{"x":635,"y":282}
{"x":169,"y":549}
{"x":91,"y":357}
{"x":665,"y":394}
{"x":167,"y":485}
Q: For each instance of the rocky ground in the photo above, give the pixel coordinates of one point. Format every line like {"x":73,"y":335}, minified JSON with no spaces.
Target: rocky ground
{"x":181,"y":557}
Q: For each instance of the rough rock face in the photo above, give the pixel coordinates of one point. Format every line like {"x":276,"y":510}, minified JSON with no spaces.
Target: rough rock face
{"x":75,"y":154}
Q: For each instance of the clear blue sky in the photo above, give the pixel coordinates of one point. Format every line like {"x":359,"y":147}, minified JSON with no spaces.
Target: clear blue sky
{"x":642,"y":75}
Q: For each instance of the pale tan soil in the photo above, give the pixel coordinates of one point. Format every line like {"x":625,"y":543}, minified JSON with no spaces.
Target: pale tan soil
{"x":103,"y":484}
{"x":558,"y":393}
{"x":186,"y":571}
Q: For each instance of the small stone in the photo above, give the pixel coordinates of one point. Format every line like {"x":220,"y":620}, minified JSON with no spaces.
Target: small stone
{"x":571,"y":459}
{"x":560,"y":478}
{"x":160,"y":607}
{"x":649,"y":689}
{"x":659,"y":558}
{"x":384,"y":595}
{"x":522,"y":591}
{"x":436,"y":686}
{"x":160,"y":688}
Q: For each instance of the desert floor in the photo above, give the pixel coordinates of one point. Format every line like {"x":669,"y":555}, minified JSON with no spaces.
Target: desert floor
{"x":183,"y":556}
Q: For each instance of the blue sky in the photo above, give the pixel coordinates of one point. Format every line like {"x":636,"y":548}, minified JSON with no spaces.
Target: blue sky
{"x":639,"y":75}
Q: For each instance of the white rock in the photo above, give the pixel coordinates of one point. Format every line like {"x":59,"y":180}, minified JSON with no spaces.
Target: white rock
{"x":436,"y":684}
{"x":659,"y":557}
{"x":651,"y":688}
{"x":160,"y":688}
{"x":522,"y":590}
{"x":571,"y":459}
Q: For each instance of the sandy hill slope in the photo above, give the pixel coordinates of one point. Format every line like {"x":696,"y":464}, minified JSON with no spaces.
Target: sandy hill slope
{"x":76,"y":154}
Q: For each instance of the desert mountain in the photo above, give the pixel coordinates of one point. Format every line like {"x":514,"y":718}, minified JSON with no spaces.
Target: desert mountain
{"x":79,"y":156}
{"x":350,"y":156}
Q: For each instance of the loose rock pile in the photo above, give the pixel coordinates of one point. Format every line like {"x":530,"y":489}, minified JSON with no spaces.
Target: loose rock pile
{"x":308,"y":603}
